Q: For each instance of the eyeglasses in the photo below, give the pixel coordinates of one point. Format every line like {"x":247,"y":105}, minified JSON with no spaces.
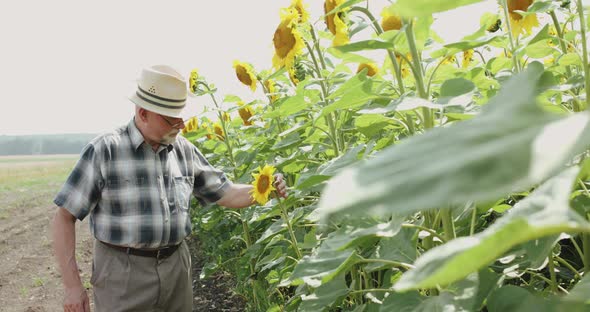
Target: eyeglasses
{"x":179,"y":124}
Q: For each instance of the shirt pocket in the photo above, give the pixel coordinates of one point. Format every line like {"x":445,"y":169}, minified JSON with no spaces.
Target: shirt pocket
{"x":183,"y":188}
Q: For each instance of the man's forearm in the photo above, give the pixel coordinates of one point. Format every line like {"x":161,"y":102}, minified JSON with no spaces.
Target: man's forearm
{"x":64,"y":247}
{"x":238,"y":196}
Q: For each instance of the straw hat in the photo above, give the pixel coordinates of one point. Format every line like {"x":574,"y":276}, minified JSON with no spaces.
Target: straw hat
{"x":160,"y":89}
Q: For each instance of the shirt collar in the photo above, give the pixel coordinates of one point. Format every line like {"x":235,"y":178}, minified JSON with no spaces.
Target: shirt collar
{"x":137,"y":138}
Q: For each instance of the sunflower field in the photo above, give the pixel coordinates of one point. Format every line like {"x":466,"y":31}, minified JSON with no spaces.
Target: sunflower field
{"x":443,"y":176}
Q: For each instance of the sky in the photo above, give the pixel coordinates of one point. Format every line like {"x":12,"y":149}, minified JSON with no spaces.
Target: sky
{"x":67,"y":66}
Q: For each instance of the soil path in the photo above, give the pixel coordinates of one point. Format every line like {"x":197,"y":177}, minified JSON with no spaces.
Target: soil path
{"x":30,"y":281}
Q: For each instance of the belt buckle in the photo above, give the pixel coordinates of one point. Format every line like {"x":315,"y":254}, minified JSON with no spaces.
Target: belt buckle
{"x":160,"y":254}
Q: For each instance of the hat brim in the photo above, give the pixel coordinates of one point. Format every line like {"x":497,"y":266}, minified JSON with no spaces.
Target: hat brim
{"x":170,"y":112}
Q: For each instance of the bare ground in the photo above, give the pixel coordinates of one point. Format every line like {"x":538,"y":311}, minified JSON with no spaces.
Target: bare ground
{"x":29,"y":279}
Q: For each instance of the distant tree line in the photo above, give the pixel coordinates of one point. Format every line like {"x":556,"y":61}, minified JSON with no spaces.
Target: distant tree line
{"x":44,"y":144}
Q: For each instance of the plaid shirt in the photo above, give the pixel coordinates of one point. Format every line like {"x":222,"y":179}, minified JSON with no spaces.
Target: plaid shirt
{"x":137,"y":197}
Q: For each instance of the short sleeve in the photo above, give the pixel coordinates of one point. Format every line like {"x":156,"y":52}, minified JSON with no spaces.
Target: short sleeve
{"x":210,"y":182}
{"x":81,"y":191}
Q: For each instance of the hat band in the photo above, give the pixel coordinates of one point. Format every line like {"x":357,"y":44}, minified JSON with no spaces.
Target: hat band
{"x":158,"y":104}
{"x":159,"y":97}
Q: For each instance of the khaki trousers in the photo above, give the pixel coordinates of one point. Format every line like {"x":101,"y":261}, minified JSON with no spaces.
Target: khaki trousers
{"x":123,"y":282}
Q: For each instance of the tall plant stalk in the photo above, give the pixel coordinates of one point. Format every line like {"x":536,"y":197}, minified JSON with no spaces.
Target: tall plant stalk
{"x":417,"y":70}
{"x":580,"y":9}
{"x":390,"y":52}
{"x":510,"y":36}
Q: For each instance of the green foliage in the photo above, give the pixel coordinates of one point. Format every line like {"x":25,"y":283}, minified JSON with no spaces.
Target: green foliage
{"x":462,"y":186}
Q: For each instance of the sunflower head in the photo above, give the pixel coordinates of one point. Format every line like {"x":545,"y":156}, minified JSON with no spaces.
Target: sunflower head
{"x":390,"y":21}
{"x":371,"y":69}
{"x":226,"y":116}
{"x":271,"y":89}
{"x":297,"y":73}
{"x":519,"y":23}
{"x":287,"y":40}
{"x":245,"y":74}
{"x":263,"y":184}
{"x":467,"y":58}
{"x":191,"y":125}
{"x":209,"y":132}
{"x":449,"y":60}
{"x":218,"y":129}
{"x":301,"y":10}
{"x":192,"y":81}
{"x":246,"y":113}
{"x":336,"y":22}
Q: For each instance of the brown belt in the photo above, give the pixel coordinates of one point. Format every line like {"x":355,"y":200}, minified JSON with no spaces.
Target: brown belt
{"x":161,"y":253}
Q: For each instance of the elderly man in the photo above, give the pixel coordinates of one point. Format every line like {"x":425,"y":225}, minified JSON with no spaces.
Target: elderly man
{"x":135,"y":184}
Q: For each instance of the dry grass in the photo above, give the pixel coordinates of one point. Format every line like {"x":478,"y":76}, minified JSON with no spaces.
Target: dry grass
{"x":31,"y":180}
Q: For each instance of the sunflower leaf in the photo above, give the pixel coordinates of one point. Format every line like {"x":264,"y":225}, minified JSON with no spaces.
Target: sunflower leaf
{"x":545,"y":212}
{"x":512,"y":144}
{"x":412,"y":8}
{"x":364,"y":45}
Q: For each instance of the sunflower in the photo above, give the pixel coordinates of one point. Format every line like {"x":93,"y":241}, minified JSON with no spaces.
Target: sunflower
{"x":518,"y":22}
{"x":372,"y":69}
{"x":390,"y":21}
{"x":335,"y":22}
{"x":449,"y":60}
{"x":246,"y":113}
{"x":245,"y":74}
{"x":301,"y":10}
{"x":226,"y":116}
{"x":218,"y":131}
{"x":262,"y":185}
{"x":193,"y":81}
{"x":467,"y":58}
{"x":191,"y":125}
{"x":270,"y":88}
{"x":209,"y":132}
{"x":287,"y":40}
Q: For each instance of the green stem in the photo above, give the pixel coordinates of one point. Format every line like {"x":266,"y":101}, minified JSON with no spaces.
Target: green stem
{"x":473,"y":220}
{"x":580,"y":9}
{"x":422,"y":228}
{"x":585,"y":238}
{"x":427,"y":242}
{"x":510,"y":36}
{"x":289,"y":227}
{"x":223,"y":125}
{"x":269,"y":97}
{"x":579,"y":250}
{"x":447,"y":222}
{"x":330,"y":118}
{"x":390,"y":53}
{"x":586,"y":249}
{"x":569,"y":266}
{"x":364,"y":291}
{"x":561,"y":40}
{"x":417,"y":70}
{"x":552,"y":273}
{"x":396,"y":264}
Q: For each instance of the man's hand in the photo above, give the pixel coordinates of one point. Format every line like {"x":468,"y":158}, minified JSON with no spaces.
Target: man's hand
{"x":76,"y":300}
{"x":280,"y":185}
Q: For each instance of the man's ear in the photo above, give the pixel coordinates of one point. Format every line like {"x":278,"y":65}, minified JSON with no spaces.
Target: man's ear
{"x":142,"y":114}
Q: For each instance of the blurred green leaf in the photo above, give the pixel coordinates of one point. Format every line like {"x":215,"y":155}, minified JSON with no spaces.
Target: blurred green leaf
{"x":411,"y":8}
{"x":512,"y":144}
{"x":545,"y":212}
{"x":324,"y":296}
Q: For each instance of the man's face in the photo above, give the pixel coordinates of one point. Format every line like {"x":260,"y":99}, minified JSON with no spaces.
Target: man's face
{"x":163,"y":129}
{"x":174,"y":126}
